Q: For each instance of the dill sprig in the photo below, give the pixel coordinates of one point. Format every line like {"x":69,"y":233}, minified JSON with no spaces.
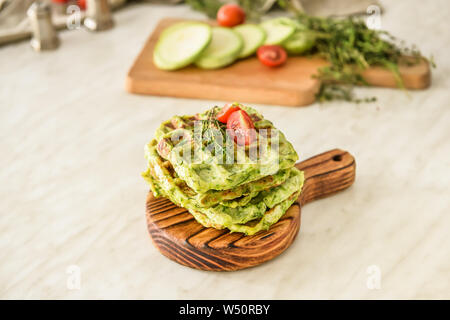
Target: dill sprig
{"x":213,"y":132}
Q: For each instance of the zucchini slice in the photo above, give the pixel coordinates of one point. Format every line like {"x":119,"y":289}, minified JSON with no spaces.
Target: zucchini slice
{"x":300,"y":42}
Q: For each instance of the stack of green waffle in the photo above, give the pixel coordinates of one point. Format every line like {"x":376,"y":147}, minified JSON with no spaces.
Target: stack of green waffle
{"x":242,"y":196}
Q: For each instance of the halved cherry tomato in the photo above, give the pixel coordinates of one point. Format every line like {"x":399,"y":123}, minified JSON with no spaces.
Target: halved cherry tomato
{"x":226,"y":111}
{"x":272,"y":55}
{"x":242,"y":128}
{"x":230,"y":15}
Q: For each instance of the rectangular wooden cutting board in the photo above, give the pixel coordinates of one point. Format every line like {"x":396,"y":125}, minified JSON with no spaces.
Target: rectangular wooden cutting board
{"x":248,"y":80}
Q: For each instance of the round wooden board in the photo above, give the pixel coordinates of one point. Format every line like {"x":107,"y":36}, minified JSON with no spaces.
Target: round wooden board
{"x":247,"y":80}
{"x":180,"y":237}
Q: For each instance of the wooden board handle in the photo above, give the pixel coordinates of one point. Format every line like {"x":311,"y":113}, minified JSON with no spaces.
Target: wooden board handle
{"x":181,"y":238}
{"x":325,"y":174}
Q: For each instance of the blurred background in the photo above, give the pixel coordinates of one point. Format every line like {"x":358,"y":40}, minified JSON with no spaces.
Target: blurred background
{"x":71,"y":145}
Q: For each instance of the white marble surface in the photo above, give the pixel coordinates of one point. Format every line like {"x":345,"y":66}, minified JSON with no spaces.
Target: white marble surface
{"x":71,"y":145}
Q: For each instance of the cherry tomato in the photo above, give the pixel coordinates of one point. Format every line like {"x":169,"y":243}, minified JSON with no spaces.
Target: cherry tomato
{"x":271,"y":55}
{"x":230,"y":15}
{"x":226,"y":111}
{"x":242,"y":128}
